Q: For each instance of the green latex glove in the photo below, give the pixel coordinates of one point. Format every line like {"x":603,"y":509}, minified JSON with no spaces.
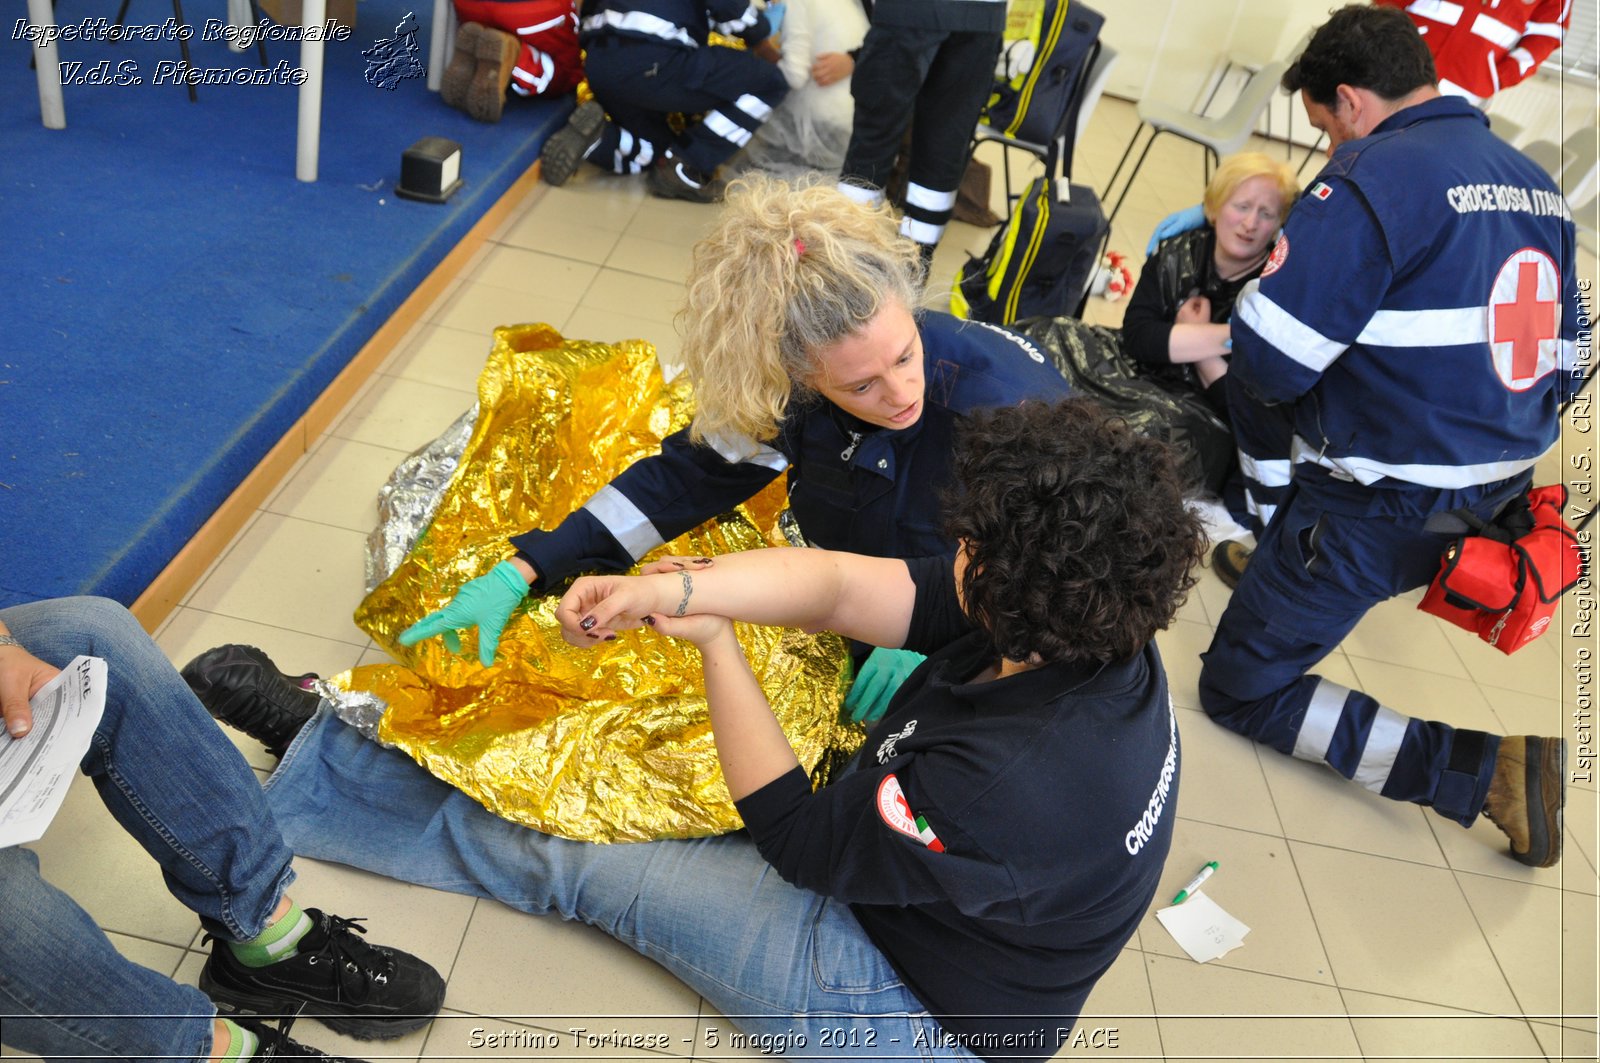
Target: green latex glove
{"x":1180,"y":221}
{"x":485,"y":603}
{"x":880,"y":676}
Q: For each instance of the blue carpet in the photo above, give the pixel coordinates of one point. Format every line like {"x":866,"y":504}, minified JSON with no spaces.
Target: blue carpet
{"x":172,"y":299}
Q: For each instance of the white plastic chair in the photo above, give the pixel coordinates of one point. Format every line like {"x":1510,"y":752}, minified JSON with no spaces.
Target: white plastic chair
{"x":1219,"y":136}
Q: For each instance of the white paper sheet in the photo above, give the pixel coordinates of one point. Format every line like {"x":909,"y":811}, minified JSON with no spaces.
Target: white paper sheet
{"x":36,"y":770}
{"x":1203,"y":929}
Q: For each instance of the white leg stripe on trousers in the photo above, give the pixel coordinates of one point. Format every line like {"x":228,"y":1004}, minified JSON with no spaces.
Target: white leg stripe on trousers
{"x":1266,"y":473}
{"x":867,"y":197}
{"x":928,"y":199}
{"x":1321,"y":719}
{"x":727,"y":129}
{"x":920,"y":231}
{"x":624,"y":520}
{"x":754,"y":106}
{"x":541,"y":82}
{"x":546,"y":24}
{"x":1383,"y":745}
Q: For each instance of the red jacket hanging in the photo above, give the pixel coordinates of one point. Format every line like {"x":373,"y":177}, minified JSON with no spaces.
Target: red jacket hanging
{"x":1483,"y":46}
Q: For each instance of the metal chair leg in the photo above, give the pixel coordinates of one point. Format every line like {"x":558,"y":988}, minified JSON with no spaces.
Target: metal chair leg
{"x":261,"y":44}
{"x":183,"y":46}
{"x":1155,"y":132}
{"x":1125,"y":153}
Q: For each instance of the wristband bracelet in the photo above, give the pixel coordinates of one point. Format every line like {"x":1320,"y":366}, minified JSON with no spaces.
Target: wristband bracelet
{"x":8,"y":640}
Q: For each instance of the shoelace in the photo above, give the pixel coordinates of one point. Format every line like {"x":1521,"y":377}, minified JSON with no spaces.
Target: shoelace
{"x":370,"y":966}
{"x":274,"y":1042}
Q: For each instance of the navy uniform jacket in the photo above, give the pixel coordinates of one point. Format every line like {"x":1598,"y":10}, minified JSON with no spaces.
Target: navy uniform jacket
{"x":1048,"y":799}
{"x":1419,"y":309}
{"x":852,"y":486}
{"x":684,"y":23}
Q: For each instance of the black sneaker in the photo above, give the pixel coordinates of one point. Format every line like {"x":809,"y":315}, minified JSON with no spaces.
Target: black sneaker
{"x":670,"y":179}
{"x":240,"y":686}
{"x":365,"y":991}
{"x":563,"y":153}
{"x":274,"y":1043}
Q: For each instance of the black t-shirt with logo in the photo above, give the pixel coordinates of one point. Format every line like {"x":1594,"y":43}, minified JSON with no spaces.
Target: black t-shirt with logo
{"x":998,"y":841}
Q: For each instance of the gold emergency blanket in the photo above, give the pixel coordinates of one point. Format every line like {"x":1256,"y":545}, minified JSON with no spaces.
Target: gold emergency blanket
{"x":604,"y":744}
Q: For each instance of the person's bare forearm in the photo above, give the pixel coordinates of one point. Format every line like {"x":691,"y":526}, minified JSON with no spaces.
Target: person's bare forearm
{"x":751,"y":747}
{"x":866,"y":598}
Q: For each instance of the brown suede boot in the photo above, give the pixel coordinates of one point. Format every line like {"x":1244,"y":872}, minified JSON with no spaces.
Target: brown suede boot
{"x":457,"y":79}
{"x":1526,"y":796}
{"x":1229,"y":560}
{"x":497,"y":53}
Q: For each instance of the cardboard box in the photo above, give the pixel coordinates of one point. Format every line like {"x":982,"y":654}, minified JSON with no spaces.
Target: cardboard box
{"x":287,"y":12}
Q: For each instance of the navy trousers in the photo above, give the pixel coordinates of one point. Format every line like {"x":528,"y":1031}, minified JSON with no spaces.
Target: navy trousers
{"x":640,"y":83}
{"x":1332,"y":551}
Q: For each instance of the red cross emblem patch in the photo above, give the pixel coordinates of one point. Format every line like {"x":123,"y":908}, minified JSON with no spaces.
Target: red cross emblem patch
{"x":1525,"y":318}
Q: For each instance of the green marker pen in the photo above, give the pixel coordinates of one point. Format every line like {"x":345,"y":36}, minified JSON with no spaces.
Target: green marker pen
{"x":1194,"y":883}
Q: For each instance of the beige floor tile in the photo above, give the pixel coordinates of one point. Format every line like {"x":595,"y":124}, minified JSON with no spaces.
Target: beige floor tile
{"x":1484,"y":850}
{"x":338,"y":484}
{"x":1426,"y":695}
{"x":535,"y":273}
{"x":1563,"y":1044}
{"x":608,"y":202}
{"x":1544,"y":941}
{"x":443,"y":357}
{"x":1257,"y":883}
{"x":652,"y":258}
{"x":402,"y":414}
{"x":1222,"y":780}
{"x":1400,"y":929}
{"x":1194,"y":609}
{"x":607,"y":326}
{"x":1396,"y":632}
{"x":291,"y":574}
{"x":89,"y":856}
{"x":1391,"y":1028}
{"x":673,"y":222}
{"x":1522,"y":713}
{"x":1118,"y":1019}
{"x":480,"y":308}
{"x":572,"y":236}
{"x":548,"y":973}
{"x":154,"y":955}
{"x":1181,"y":646}
{"x":1317,"y":804}
{"x":1535,"y":668}
{"x":622,"y":292}
{"x":1207,"y":1011}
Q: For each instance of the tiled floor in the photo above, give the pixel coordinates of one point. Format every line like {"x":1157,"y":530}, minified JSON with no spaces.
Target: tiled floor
{"x":1378,"y":930}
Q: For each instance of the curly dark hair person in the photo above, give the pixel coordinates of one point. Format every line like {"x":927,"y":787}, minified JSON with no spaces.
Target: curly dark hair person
{"x":1078,"y":545}
{"x":1376,"y":48}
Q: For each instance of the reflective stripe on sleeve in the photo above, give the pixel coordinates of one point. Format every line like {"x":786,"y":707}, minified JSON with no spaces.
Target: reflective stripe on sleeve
{"x":625,"y":521}
{"x":1427,"y":328}
{"x":1296,"y":340}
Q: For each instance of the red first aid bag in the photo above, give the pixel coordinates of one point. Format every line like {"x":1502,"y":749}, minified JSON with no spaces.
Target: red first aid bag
{"x":1503,"y":581}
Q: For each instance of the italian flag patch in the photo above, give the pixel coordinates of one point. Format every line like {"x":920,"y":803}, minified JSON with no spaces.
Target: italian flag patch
{"x":896,"y":813}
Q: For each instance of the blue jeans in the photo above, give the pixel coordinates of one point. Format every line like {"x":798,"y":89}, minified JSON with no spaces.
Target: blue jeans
{"x":178,"y":786}
{"x":775,"y":959}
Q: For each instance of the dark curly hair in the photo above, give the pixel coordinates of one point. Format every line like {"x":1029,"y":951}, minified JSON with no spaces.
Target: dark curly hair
{"x":1078,"y":544}
{"x":1376,"y":48}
